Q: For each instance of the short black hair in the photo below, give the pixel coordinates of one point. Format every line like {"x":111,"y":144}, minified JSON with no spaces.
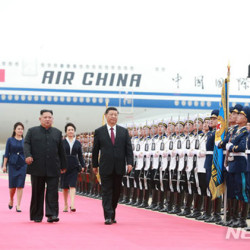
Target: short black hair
{"x":70,"y":124}
{"x":46,"y":110}
{"x":111,"y":108}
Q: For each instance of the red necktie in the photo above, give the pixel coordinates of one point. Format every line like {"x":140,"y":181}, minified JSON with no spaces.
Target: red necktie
{"x":112,"y":136}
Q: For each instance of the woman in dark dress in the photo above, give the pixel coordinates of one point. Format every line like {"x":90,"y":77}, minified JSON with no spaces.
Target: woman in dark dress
{"x":14,"y":158}
{"x":76,"y":164}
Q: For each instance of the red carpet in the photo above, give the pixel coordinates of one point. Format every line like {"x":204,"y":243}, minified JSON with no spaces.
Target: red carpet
{"x":136,"y":229}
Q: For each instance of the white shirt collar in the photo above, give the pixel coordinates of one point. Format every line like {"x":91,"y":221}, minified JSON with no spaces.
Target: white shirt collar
{"x":109,"y":127}
{"x":71,"y":143}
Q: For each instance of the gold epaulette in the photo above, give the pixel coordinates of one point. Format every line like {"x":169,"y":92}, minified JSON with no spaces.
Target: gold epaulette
{"x":234,"y":147}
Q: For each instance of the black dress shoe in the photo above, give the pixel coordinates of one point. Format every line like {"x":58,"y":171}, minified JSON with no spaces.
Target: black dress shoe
{"x":52,"y":219}
{"x":108,"y":222}
{"x":241,"y":223}
{"x":152,"y":206}
{"x":213,"y":219}
{"x":175,"y":211}
{"x":195,"y":214}
{"x":72,"y":209}
{"x":114,"y":221}
{"x":37,"y":220}
{"x":18,"y":210}
{"x":143,"y":205}
{"x":10,"y":206}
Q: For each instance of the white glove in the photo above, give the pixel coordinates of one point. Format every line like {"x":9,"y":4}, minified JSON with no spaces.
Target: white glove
{"x":156,"y":154}
{"x":181,"y":154}
{"x":191,"y":153}
{"x":165,"y":154}
{"x":217,"y":143}
{"x":201,"y":153}
{"x":173,"y":154}
{"x":140,"y":155}
{"x":228,"y":145}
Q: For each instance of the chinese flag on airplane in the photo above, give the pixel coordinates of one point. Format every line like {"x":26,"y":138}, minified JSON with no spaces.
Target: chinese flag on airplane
{"x":2,"y":75}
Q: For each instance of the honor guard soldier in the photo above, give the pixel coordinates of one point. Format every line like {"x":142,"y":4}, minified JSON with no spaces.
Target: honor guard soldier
{"x":138,"y":154}
{"x":185,"y":168}
{"x":131,"y":175}
{"x":167,"y":184}
{"x":178,"y":163}
{"x":232,"y":203}
{"x":146,"y":165}
{"x":158,"y":164}
{"x":208,"y":165}
{"x":197,"y":166}
{"x":201,"y":156}
{"x":237,"y":165}
{"x":153,"y":165}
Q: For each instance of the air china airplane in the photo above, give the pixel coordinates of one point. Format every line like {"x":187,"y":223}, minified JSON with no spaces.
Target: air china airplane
{"x":79,"y":93}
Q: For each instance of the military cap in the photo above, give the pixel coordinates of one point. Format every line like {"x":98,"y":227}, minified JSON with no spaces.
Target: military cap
{"x":199,"y":118}
{"x":215,"y":113}
{"x":165,"y":123}
{"x":206,"y":117}
{"x":154,"y":124}
{"x":130,"y":126}
{"x":148,"y":124}
{"x":238,"y":108}
{"x":182,"y":123}
{"x":189,"y":121}
{"x":171,"y":122}
{"x":246,"y":112}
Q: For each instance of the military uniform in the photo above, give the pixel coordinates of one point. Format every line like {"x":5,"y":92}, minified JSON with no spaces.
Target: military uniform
{"x":232,"y":203}
{"x":208,"y":166}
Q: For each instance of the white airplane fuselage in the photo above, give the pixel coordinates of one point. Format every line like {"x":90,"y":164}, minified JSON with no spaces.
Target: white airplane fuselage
{"x":79,"y":93}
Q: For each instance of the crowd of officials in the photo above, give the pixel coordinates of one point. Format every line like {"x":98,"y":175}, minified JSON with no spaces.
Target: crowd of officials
{"x":171,"y":170}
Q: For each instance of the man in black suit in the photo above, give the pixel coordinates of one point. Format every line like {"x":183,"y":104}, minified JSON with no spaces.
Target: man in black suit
{"x":115,"y":148}
{"x":46,"y":159}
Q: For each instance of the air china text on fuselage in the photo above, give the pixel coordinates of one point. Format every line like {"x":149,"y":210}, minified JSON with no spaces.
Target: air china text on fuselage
{"x":91,"y":78}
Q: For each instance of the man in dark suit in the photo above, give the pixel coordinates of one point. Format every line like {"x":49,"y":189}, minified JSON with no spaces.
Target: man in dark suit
{"x":115,"y":148}
{"x":46,"y":159}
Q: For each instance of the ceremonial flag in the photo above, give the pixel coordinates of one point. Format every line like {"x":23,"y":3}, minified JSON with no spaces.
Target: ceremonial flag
{"x":216,"y":184}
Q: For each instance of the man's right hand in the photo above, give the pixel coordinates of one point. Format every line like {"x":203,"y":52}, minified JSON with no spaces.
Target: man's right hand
{"x":4,"y":169}
{"x":29,"y":160}
{"x":95,"y":171}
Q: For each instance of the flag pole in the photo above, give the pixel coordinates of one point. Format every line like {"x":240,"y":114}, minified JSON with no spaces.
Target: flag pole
{"x":227,"y":117}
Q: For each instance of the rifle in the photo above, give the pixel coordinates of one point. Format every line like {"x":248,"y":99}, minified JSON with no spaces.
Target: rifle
{"x":162,"y":146}
{"x":157,"y":173}
{"x":183,"y":172}
{"x":175,"y":171}
{"x":170,"y":147}
{"x":197,"y":146}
